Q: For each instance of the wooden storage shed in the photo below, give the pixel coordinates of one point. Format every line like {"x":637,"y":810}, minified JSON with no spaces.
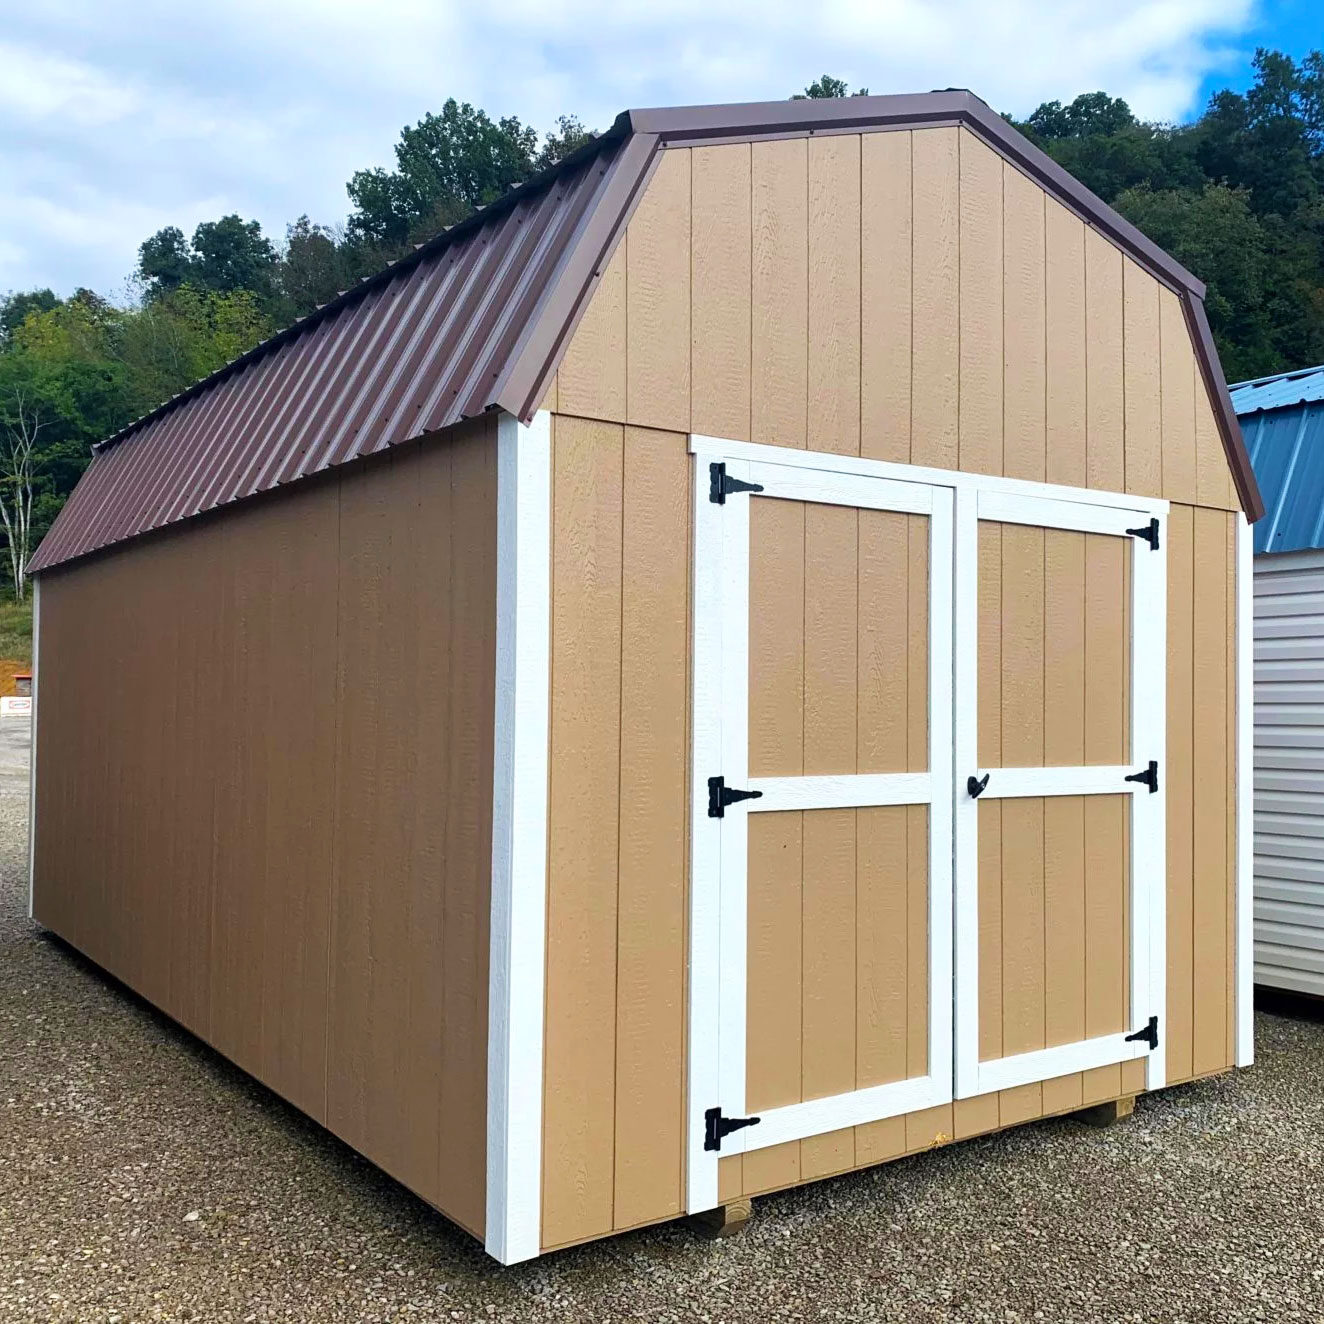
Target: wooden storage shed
{"x":750,"y":628}
{"x":1283,"y":421}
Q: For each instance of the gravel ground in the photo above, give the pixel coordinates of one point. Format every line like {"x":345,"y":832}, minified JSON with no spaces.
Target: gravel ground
{"x":143,"y":1178}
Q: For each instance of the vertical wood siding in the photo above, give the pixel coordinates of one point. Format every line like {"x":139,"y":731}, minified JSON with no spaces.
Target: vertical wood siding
{"x":906,"y":296}
{"x":264,"y":794}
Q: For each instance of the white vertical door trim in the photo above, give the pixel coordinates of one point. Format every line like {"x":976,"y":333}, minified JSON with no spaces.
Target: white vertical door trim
{"x":942,"y":599}
{"x":32,"y":753}
{"x":966,"y":809}
{"x":705,"y":937}
{"x":1245,"y":879}
{"x":1149,"y":817}
{"x":519,"y":840}
{"x":734,"y":768}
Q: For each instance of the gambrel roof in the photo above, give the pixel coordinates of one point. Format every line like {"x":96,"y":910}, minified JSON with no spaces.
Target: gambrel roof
{"x":479,"y":317}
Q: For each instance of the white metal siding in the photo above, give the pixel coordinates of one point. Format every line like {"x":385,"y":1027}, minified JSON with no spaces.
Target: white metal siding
{"x":1289,"y":771}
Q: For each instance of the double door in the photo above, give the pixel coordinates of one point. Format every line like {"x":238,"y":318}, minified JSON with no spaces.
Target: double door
{"x":927,"y":855}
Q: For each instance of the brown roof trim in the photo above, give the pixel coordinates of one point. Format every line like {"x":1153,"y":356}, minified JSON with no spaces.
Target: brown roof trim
{"x":1225,"y":414}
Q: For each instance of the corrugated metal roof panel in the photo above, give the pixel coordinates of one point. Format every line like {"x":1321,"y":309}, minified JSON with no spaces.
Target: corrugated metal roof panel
{"x":1287,"y":449}
{"x":1279,"y":392}
{"x":413,"y":351}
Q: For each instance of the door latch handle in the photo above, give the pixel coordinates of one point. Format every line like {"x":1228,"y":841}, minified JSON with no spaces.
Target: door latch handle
{"x":976,"y":785}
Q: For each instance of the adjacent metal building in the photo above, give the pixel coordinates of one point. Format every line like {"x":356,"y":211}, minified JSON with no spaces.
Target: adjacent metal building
{"x":725,"y":668}
{"x":1283,"y":421}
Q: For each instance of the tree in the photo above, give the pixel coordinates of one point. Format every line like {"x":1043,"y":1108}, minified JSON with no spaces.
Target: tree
{"x":23,"y":422}
{"x":228,"y":254}
{"x":164,"y":261}
{"x":569,"y":137}
{"x":313,"y":269}
{"x":827,"y":86}
{"x":14,"y":309}
{"x":233,"y":254}
{"x":446,"y":165}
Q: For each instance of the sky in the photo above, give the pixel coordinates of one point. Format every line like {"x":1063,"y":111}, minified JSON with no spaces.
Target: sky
{"x":119,"y":118}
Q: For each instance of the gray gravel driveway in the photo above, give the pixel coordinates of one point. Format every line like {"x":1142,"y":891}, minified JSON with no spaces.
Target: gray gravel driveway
{"x":143,"y":1178}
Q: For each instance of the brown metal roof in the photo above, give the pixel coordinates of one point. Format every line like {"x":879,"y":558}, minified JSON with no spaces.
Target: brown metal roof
{"x":478,"y":318}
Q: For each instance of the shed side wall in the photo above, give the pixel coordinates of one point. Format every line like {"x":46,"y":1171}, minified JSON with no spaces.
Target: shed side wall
{"x":903,"y":296}
{"x":264,"y":794}
{"x":1289,"y":789}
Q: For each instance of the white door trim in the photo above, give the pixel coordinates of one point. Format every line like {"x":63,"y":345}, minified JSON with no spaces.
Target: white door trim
{"x":513,"y":1229}
{"x":718,"y":944}
{"x":1148,"y":824}
{"x":718,"y":448}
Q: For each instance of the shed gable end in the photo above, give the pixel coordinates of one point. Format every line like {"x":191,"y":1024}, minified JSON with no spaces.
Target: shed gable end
{"x":908,"y":295}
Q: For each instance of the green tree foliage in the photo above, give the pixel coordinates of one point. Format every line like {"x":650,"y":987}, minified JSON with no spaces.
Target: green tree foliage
{"x":1237,"y":196}
{"x":224,"y":255}
{"x":827,"y":86}
{"x":446,"y":165}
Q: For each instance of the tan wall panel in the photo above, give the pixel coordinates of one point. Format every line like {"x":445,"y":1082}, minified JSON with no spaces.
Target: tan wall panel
{"x":1144,"y":380}
{"x":579,"y":1108}
{"x":935,"y":323}
{"x":780,"y":288}
{"x":1024,"y":306}
{"x":721,"y":295}
{"x":247,"y":785}
{"x":654,"y":841}
{"x":1105,"y":373}
{"x":657,"y":313}
{"x":886,"y":300}
{"x":1179,"y":396}
{"x":1066,"y":335}
{"x":981,"y":295}
{"x":834,"y":294}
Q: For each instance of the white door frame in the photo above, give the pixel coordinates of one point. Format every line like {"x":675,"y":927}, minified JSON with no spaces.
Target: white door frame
{"x":1148,"y":879}
{"x":718,"y":887}
{"x":726,"y":527}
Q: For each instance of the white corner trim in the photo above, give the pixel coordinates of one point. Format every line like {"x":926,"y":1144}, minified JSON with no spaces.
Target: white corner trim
{"x":1245,"y":877}
{"x":32,"y":754}
{"x":519,"y":840}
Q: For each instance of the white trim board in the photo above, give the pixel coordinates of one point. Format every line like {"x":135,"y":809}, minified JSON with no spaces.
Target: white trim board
{"x":1245,"y":870}
{"x":718,"y":448}
{"x":519,"y":840}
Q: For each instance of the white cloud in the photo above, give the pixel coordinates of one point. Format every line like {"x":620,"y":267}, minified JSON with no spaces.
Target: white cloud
{"x":117,"y":119}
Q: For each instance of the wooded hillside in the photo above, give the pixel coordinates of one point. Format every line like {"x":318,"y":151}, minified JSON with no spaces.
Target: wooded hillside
{"x":1237,"y":196}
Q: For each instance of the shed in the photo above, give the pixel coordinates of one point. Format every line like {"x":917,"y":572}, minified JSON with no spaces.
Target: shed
{"x":1283,"y":421}
{"x":724,"y":668}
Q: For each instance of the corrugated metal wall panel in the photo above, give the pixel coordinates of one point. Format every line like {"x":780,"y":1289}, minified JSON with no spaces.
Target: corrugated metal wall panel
{"x":421,"y":348}
{"x":1289,"y":770}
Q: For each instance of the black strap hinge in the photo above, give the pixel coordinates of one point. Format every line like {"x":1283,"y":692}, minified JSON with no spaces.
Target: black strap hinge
{"x":1149,"y":777}
{"x":1149,"y":1035}
{"x":715,"y":1127}
{"x":1149,"y":532}
{"x":720,"y":795}
{"x":975,"y":786}
{"x":721,"y":485}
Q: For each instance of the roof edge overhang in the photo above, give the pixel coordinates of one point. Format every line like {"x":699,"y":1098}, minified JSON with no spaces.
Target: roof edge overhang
{"x":653,"y":130}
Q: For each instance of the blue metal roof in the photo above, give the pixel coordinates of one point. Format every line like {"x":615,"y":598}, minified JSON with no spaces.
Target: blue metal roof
{"x":1278,"y":392}
{"x":1282,"y":419}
